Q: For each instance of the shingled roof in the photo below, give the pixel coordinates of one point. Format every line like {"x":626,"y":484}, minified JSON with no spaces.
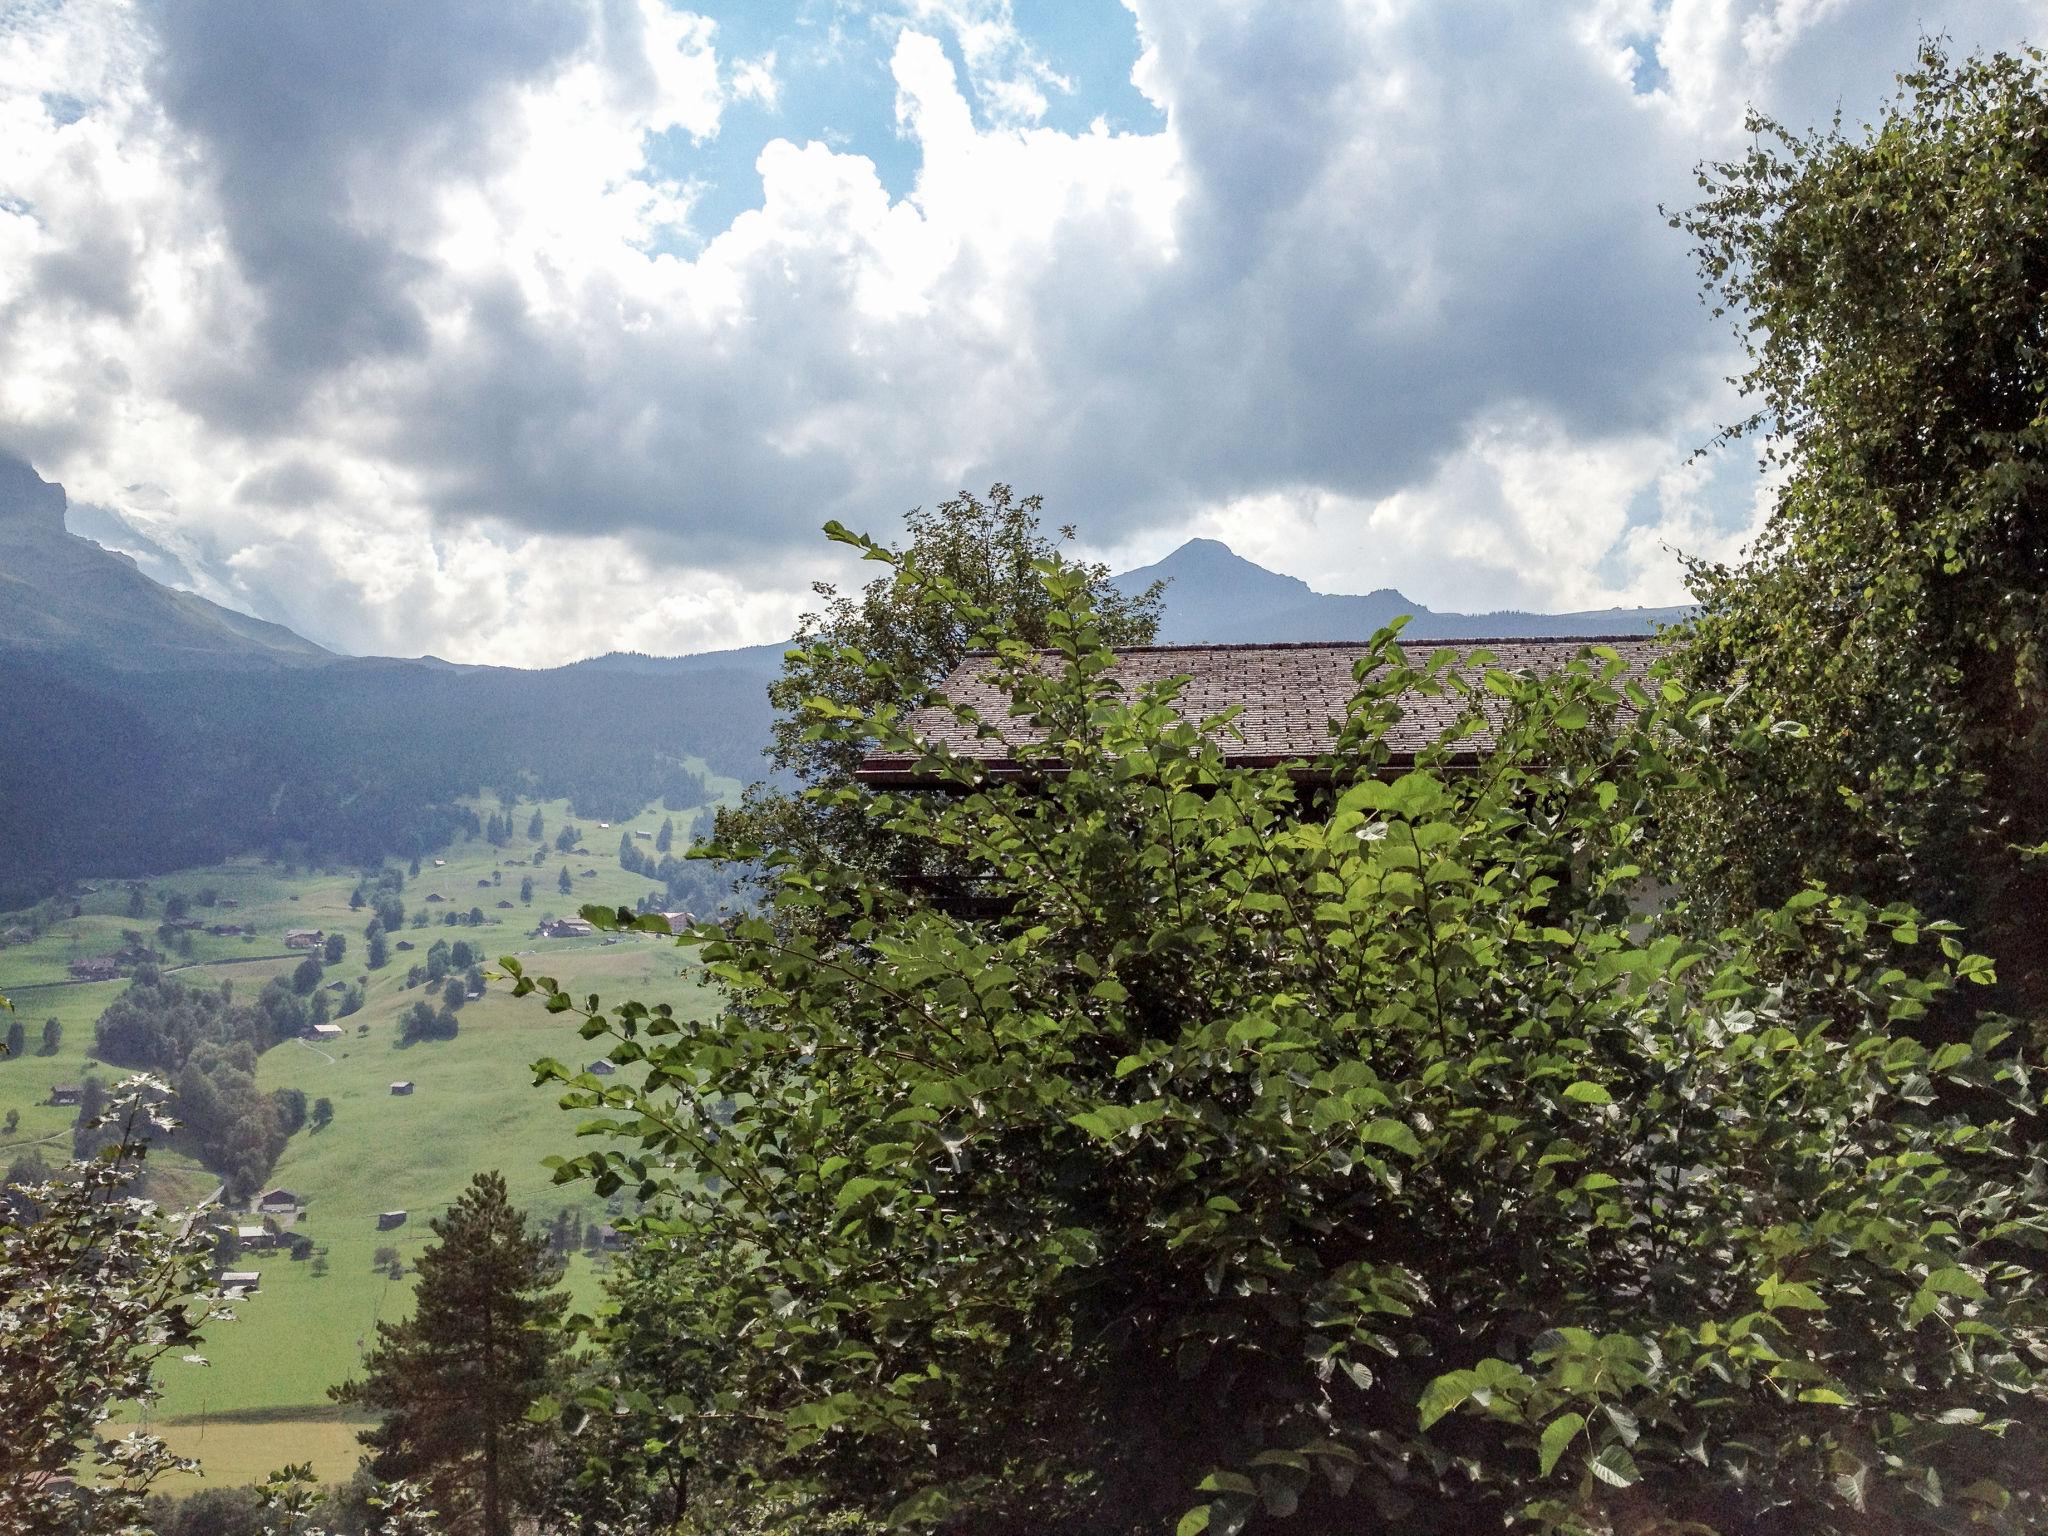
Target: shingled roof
{"x":1289,"y":696}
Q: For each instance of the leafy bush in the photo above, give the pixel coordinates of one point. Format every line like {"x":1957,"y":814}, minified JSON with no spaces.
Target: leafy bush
{"x":1384,"y":1152}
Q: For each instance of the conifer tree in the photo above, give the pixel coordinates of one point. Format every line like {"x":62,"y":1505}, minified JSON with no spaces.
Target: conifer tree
{"x":564,"y":883}
{"x":454,"y":1381}
{"x":536,"y":828}
{"x":665,"y":838}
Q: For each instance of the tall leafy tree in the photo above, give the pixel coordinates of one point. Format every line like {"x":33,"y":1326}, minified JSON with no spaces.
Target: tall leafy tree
{"x":1891,"y":288}
{"x":453,"y":1382}
{"x":890,"y":646}
{"x":1391,"y":1160}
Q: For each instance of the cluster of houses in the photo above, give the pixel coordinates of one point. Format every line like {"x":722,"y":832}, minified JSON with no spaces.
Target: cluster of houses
{"x":565,"y":928}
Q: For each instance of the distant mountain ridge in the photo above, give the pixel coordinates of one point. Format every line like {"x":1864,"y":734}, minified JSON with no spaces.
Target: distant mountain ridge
{"x":63,"y":594}
{"x":1215,"y":596}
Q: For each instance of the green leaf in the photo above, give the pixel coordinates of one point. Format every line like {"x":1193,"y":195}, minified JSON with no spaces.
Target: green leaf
{"x":1583,"y":1092}
{"x":1952,"y":1281}
{"x":1391,"y":1133}
{"x":1615,"y":1467}
{"x":1194,"y":1522}
{"x":1557,"y":1435}
{"x":1446,"y":1393}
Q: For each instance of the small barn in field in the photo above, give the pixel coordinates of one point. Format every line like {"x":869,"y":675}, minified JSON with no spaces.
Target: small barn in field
{"x":326,"y":1031}
{"x":66,"y":1093}
{"x":242,"y":1279}
{"x":386,"y":1220}
{"x":277,"y":1201}
{"x":400,"y":1089}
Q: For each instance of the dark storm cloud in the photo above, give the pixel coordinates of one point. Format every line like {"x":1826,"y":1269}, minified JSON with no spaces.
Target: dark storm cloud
{"x":320,"y":126}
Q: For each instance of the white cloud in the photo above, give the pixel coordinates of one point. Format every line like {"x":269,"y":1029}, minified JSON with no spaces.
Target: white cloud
{"x":426,"y":350}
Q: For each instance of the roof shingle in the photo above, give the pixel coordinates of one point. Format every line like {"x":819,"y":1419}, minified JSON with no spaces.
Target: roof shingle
{"x":1289,"y":696}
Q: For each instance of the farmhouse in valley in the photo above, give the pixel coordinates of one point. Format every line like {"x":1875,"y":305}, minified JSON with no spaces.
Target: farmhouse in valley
{"x":66,"y":1093}
{"x":278,"y":1201}
{"x":304,"y":938}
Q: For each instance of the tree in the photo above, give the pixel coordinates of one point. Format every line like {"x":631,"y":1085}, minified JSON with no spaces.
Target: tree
{"x":453,"y":1383}
{"x":12,"y":1123}
{"x":335,"y":948}
{"x":536,"y":828}
{"x":138,"y":903}
{"x":526,"y":890}
{"x":53,"y":1036}
{"x":889,"y":646}
{"x":665,"y":838}
{"x":98,"y":1289}
{"x":1890,"y":288}
{"x":1394,"y":1152}
{"x":378,"y":952}
{"x":17,"y":1040}
{"x":455,"y":994}
{"x":564,"y":884}
{"x":323,"y":1113}
{"x":306,"y":975}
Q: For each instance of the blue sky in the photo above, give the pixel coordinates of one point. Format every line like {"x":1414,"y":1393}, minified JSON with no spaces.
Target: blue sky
{"x":520,"y":330}
{"x":834,"y":86}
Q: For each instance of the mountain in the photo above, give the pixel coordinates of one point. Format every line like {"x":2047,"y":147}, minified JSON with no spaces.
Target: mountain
{"x":1217,"y":597}
{"x":144,"y":729}
{"x":61,"y":593}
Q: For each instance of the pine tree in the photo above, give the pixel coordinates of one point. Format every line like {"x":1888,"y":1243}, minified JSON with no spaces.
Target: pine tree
{"x":536,"y":828}
{"x":565,"y":884}
{"x":666,"y":837}
{"x":453,"y":1382}
{"x":526,"y":889}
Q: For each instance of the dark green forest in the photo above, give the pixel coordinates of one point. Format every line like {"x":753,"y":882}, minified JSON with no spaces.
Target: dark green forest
{"x":134,"y":774}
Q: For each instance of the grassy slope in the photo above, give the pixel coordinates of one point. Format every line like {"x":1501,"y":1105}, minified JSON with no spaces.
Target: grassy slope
{"x":474,"y":1106}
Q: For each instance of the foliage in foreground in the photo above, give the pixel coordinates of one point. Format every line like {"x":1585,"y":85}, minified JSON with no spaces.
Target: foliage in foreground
{"x":97,"y":1286}
{"x":988,"y":549}
{"x":1891,"y":288}
{"x":1370,"y":1156}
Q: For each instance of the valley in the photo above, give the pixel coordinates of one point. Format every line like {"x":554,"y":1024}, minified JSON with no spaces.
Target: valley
{"x":261,"y":1400}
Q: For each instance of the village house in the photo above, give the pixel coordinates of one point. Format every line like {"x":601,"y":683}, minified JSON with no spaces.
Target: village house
{"x":242,"y":1279}
{"x":278,"y":1201}
{"x":400,"y":1089}
{"x":227,"y":930}
{"x":679,"y":922}
{"x":255,"y":1239}
{"x":1288,"y":697}
{"x":565,"y":928}
{"x":601,"y":1067}
{"x":304,"y":938}
{"x":97,"y":968}
{"x":326,"y":1031}
{"x":66,"y":1093}
{"x":1288,"y":700}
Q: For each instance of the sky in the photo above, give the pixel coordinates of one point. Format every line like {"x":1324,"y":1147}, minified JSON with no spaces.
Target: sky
{"x":521,"y":330}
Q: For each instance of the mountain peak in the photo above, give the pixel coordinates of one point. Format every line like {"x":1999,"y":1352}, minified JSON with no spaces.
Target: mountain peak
{"x":26,"y":495}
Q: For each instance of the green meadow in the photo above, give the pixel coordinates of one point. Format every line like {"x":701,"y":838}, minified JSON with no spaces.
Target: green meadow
{"x":262,"y":1397}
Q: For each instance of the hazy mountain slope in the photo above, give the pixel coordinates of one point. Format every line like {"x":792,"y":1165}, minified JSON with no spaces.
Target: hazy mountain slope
{"x":1216,"y":597}
{"x":60,"y":593}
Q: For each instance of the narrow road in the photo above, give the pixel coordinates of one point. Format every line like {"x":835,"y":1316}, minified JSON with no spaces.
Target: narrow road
{"x":167,"y":970}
